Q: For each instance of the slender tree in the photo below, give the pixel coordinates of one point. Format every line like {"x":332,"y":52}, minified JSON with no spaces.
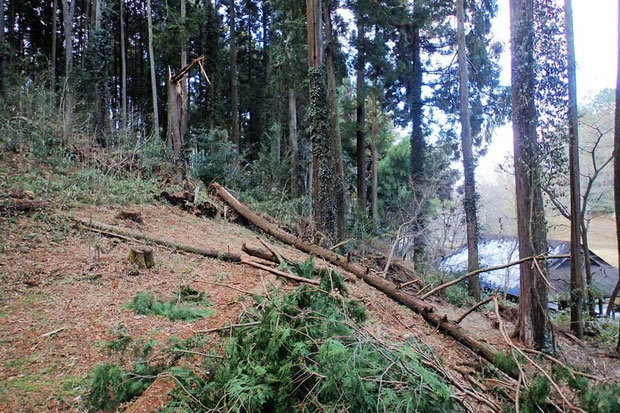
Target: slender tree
{"x":360,"y":121}
{"x":576,"y":262}
{"x":292,"y":139}
{"x":149,"y":13}
{"x":184,"y":89}
{"x":54,"y":30}
{"x":617,"y":168}
{"x":318,"y":117}
{"x":470,"y":206}
{"x":234,"y":88}
{"x":123,"y":72}
{"x":68,"y":11}
{"x":334,"y":122}
{"x":375,"y":113}
{"x":533,"y":322}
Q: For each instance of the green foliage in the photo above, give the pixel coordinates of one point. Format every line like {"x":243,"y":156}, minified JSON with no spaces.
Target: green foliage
{"x":112,"y":384}
{"x":505,"y":362}
{"x":535,"y":396}
{"x":217,"y":159}
{"x":145,"y":303}
{"x":308,"y":353}
{"x":602,"y":398}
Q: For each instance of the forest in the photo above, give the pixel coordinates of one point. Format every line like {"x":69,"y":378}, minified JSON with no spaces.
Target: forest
{"x":279,"y":205}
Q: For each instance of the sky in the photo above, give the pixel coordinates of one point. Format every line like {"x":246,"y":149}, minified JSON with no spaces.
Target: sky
{"x":595,"y":24}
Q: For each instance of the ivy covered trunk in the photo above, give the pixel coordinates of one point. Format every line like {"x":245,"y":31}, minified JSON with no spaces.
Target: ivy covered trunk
{"x":533,"y":324}
{"x":318,"y":115}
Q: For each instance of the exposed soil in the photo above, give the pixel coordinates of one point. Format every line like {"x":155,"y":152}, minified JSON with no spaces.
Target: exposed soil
{"x":54,"y":277}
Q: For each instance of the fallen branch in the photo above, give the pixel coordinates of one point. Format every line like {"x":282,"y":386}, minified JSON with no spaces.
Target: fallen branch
{"x":51,"y":333}
{"x":228,"y":327}
{"x":280,"y":273}
{"x":408,"y":283}
{"x":487,"y":269}
{"x":387,"y":287}
{"x":133,"y":235}
{"x":472,"y":309}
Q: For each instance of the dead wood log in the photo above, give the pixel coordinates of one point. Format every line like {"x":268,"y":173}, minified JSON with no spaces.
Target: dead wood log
{"x":125,"y":234}
{"x":134,"y":216}
{"x":143,"y":257}
{"x":424,"y":309}
{"x":260,"y":253}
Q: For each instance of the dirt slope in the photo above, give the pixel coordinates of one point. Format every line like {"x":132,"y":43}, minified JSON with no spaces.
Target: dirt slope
{"x":56,"y":277}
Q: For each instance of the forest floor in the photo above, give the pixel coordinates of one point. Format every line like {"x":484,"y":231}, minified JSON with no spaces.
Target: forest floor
{"x":63,"y":291}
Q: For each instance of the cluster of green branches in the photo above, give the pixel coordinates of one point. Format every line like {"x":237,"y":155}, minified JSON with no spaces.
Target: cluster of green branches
{"x":307,"y":352}
{"x":145,"y":303}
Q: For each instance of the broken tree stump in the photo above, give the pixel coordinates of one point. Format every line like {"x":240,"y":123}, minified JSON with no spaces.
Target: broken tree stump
{"x":143,"y":257}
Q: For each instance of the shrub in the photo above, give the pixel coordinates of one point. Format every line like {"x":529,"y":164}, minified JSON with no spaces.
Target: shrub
{"x":145,"y":303}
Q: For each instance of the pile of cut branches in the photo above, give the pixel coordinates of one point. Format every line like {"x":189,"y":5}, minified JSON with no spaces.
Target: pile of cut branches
{"x":308,"y":353}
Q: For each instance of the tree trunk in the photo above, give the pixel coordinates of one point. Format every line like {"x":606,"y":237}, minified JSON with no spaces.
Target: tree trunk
{"x":470,"y":204}
{"x":318,"y":117}
{"x":417,"y":149}
{"x":374,"y":178}
{"x":54,"y":30}
{"x":292,"y":140}
{"x":68,"y":10}
{"x":149,"y":13}
{"x":335,"y":125}
{"x":123,"y":74}
{"x":360,"y":121}
{"x":617,"y":164}
{"x":234,"y":89}
{"x":587,"y":266}
{"x":212,"y":39}
{"x":533,"y":323}
{"x":184,"y":89}
{"x":100,"y":82}
{"x":576,"y":262}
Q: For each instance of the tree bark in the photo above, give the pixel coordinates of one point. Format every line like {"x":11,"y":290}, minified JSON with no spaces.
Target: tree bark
{"x":374,"y":178}
{"x":211,"y":49}
{"x":234,"y":88}
{"x":335,"y":125}
{"x":325,"y":203}
{"x":533,"y":324}
{"x":292,"y":139}
{"x":388,"y":288}
{"x":100,"y":82}
{"x":360,"y":121}
{"x":54,"y":30}
{"x":184,"y":89}
{"x":68,"y":10}
{"x":576,"y":262}
{"x":418,"y":147}
{"x":617,"y":163}
{"x":470,"y":202}
{"x":123,"y":73}
{"x":149,"y":13}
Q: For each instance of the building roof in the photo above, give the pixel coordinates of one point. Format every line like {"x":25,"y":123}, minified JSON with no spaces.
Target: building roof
{"x":499,"y":250}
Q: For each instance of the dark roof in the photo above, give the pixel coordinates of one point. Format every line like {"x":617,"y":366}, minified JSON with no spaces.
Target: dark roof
{"x":498,"y":250}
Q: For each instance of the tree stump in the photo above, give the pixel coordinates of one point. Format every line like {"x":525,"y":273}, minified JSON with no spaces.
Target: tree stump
{"x":142,"y":257}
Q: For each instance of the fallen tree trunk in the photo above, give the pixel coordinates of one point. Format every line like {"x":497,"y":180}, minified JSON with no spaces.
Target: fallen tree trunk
{"x":424,"y":309}
{"x":129,"y":235}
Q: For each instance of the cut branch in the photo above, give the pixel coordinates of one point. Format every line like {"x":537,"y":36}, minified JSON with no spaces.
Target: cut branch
{"x":487,"y":269}
{"x":280,"y":273}
{"x":472,"y":309}
{"x":134,"y":235}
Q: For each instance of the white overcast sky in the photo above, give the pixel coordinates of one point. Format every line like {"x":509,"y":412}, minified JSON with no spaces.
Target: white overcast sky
{"x":596,"y":25}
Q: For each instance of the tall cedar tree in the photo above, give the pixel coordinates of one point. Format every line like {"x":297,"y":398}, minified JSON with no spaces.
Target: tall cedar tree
{"x":468,"y":159}
{"x":617,"y":168}
{"x":235,"y":135}
{"x":149,"y":14}
{"x":533,"y":324}
{"x":576,"y":262}
{"x":318,"y":117}
{"x":360,"y":114}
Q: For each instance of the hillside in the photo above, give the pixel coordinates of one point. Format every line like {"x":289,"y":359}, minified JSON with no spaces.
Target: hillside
{"x":64,"y":293}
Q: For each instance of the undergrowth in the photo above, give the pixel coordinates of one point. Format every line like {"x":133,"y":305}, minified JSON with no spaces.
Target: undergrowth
{"x":145,"y":303}
{"x":308,"y":353}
